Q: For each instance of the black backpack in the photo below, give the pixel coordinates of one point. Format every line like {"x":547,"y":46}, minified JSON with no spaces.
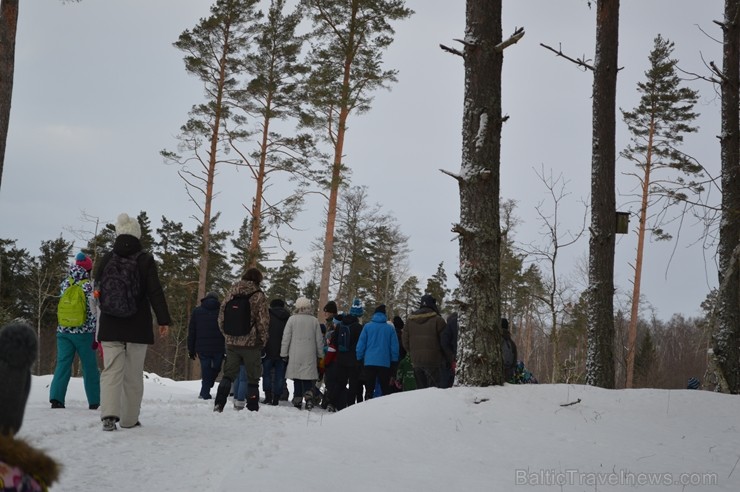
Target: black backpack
{"x":344,"y":338}
{"x":120,"y":286}
{"x":238,"y":315}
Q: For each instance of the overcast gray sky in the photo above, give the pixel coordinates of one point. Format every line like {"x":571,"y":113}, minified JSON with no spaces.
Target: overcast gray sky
{"x":99,"y":90}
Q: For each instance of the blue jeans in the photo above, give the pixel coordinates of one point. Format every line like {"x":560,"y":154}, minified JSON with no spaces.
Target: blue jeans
{"x":273,"y":382}
{"x":210,"y":366}
{"x":240,"y":385}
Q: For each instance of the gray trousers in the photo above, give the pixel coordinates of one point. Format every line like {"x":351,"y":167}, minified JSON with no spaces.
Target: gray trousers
{"x":122,"y":381}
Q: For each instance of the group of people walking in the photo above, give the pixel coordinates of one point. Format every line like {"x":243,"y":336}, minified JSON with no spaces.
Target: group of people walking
{"x":334,"y":363}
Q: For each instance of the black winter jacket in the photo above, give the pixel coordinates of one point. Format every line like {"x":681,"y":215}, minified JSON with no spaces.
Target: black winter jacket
{"x":349,"y":358}
{"x":139,"y":327}
{"x":278,"y":318}
{"x":204,"y":337}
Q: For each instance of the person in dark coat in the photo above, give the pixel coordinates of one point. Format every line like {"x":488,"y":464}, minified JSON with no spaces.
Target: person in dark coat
{"x":398,"y":325}
{"x":346,"y":376}
{"x":422,"y":336}
{"x":125,"y":340}
{"x":508,"y":351}
{"x":273,"y":366}
{"x":449,"y":347}
{"x":206,"y":342}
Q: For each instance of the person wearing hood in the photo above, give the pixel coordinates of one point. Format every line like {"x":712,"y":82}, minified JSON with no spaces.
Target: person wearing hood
{"x":206,"y":342}
{"x":126,"y":274}
{"x":76,"y":335}
{"x":244,"y":349}
{"x":23,"y":468}
{"x":377,"y":348}
{"x":273,"y":366}
{"x":422,"y":339}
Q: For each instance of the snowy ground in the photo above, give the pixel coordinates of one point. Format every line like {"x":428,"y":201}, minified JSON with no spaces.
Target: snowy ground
{"x":507,"y":438}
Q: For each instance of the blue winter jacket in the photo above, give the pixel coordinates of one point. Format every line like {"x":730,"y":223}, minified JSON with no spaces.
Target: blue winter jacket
{"x":378,"y":344}
{"x":204,"y":337}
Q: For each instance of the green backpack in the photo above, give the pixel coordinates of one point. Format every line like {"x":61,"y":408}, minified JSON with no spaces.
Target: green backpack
{"x":72,"y":307}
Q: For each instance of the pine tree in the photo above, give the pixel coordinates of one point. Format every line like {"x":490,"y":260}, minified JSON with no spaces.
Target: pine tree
{"x":214,"y":50}
{"x":437,"y":286}
{"x":284,"y":280}
{"x":644,"y":361}
{"x":274,"y":94}
{"x":409,"y":295}
{"x":600,"y":362}
{"x":657,"y":126}
{"x":349,"y":40}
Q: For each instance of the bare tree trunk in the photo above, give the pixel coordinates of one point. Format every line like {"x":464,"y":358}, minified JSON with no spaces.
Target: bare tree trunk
{"x":479,"y":231}
{"x":726,"y":339}
{"x":600,"y":362}
{"x":635,"y":310}
{"x":8,"y":28}
{"x":331,"y":213}
{"x":254,"y":246}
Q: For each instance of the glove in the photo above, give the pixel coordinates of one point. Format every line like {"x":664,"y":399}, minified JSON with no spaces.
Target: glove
{"x":94,"y":345}
{"x":453,"y":366}
{"x":285,"y":359}
{"x":191,"y":355}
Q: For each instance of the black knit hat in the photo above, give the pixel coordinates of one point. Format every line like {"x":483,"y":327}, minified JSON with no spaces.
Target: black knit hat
{"x":331,"y":307}
{"x":380,"y":309}
{"x":277,"y":303}
{"x":428,"y":300}
{"x":18,"y":349}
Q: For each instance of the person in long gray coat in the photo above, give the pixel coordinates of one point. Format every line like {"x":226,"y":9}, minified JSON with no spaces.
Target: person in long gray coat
{"x":301,"y":348}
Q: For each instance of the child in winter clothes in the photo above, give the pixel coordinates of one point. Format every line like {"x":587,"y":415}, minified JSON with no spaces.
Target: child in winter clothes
{"x":22,"y":468}
{"x":77,"y":339}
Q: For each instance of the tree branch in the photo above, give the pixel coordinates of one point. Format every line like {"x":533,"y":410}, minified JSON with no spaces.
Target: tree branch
{"x":580,"y":61}
{"x":456,"y":176}
{"x":518,"y":34}
{"x":452,"y":50}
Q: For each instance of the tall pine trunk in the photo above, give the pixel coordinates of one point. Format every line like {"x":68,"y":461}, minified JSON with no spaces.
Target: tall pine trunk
{"x":8,"y":28}
{"x":600,"y":362}
{"x":635,"y":310}
{"x":726,"y":339}
{"x":479,"y":232}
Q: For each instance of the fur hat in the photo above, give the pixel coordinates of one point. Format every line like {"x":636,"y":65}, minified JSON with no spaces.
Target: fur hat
{"x":84,"y":261}
{"x":18,"y":348}
{"x":356,"y":309}
{"x":128,"y":225}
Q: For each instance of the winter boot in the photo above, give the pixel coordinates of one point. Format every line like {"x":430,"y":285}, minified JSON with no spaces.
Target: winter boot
{"x":221,"y":395}
{"x":275,"y":399}
{"x":253,"y":398}
{"x":298,"y":402}
{"x":284,"y":394}
{"x":308,"y":395}
{"x":268,"y":398}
